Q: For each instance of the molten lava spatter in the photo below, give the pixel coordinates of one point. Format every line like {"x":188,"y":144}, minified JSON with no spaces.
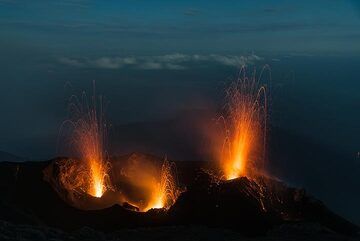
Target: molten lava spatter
{"x":87,"y":140}
{"x":245,"y":126}
{"x":155,"y":186}
{"x":164,"y":190}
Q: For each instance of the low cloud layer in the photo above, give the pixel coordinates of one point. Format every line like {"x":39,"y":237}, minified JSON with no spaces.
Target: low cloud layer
{"x":175,"y":61}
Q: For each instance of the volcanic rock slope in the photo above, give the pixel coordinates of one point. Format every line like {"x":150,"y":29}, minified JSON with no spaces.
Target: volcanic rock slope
{"x":245,"y":206}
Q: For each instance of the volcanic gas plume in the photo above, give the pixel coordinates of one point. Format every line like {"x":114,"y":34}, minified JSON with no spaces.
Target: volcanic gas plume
{"x":245,"y":126}
{"x":85,"y":136}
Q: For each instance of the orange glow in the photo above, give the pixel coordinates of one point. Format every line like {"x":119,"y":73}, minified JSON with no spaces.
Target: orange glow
{"x":97,"y":177}
{"x":87,"y":139}
{"x":164,"y":190}
{"x":245,"y":126}
{"x":156,"y":187}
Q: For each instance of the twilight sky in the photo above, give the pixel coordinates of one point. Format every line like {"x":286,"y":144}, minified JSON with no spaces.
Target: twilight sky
{"x":142,"y":52}
{"x":68,"y":28}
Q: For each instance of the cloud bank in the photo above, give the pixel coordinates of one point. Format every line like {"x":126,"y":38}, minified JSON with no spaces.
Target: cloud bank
{"x":176,"y":61}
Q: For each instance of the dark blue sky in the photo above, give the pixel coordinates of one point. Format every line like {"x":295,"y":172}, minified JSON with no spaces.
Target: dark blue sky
{"x":71,"y":27}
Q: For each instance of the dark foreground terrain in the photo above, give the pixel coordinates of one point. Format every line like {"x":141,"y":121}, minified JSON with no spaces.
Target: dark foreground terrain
{"x":209,"y":209}
{"x":307,"y":232}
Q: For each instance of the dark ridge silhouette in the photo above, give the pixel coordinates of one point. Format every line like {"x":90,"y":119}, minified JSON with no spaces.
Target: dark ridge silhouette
{"x":8,"y":157}
{"x":244,"y":205}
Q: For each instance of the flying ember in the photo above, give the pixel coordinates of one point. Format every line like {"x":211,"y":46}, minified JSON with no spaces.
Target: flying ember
{"x":86,"y":139}
{"x":156,"y":185}
{"x":164,"y":190}
{"x":245,"y":126}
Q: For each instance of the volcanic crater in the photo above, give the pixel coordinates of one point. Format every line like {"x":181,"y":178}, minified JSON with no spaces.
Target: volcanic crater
{"x":32,"y":194}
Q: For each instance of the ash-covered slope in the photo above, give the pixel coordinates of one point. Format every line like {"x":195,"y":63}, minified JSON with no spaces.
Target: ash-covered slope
{"x":288,"y":232}
{"x":28,"y":199}
{"x":252,"y":206}
{"x":244,"y":205}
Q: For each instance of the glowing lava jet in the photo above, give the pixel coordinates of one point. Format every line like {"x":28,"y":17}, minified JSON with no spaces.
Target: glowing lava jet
{"x":245,"y":126}
{"x":154,"y":186}
{"x":164,"y":191}
{"x":87,"y":140}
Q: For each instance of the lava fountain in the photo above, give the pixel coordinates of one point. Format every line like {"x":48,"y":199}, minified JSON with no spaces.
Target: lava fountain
{"x":165,"y":190}
{"x":153,"y":185}
{"x":245,"y":126}
{"x":86,"y":139}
